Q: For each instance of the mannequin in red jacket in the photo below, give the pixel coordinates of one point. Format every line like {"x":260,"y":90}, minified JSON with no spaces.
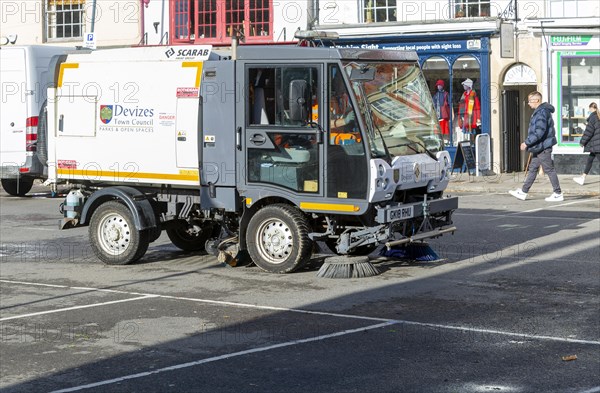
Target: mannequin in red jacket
{"x":469,"y":111}
{"x":442,"y":108}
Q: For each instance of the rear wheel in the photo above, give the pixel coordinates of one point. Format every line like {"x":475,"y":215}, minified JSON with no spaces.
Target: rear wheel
{"x":114,"y":237}
{"x":17,"y":187}
{"x":277,"y":239}
{"x":190,"y":237}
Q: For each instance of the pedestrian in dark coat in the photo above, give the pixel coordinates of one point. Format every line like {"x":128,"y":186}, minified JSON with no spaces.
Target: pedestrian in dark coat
{"x":590,"y":141}
{"x":541,"y":136}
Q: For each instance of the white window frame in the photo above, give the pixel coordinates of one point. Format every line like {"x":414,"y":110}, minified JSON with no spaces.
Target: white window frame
{"x":482,"y":8}
{"x":62,"y":18}
{"x":391,"y":11}
{"x":581,"y":9}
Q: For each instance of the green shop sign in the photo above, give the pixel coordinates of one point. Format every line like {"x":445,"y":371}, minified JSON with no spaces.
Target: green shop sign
{"x":570,"y":40}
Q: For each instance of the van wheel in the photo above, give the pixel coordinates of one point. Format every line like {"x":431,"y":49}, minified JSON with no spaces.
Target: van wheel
{"x":17,"y":187}
{"x":277,"y":239}
{"x":190,"y":237}
{"x":114,"y":237}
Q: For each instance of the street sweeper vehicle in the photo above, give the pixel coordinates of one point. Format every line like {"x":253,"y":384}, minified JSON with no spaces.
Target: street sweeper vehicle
{"x":258,"y":150}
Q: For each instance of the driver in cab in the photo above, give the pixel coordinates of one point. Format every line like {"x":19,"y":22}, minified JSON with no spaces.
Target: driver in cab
{"x":342,"y":117}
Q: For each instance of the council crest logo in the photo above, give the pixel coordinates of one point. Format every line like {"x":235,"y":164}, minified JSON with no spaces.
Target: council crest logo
{"x":106,"y":113}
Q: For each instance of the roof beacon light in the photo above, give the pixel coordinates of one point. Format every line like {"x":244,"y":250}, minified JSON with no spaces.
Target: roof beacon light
{"x":315,"y":37}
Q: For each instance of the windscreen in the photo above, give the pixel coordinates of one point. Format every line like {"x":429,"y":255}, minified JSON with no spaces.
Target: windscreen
{"x":397,"y":108}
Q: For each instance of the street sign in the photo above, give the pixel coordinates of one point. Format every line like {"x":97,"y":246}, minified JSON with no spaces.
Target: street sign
{"x":464,"y":157}
{"x":89,"y":41}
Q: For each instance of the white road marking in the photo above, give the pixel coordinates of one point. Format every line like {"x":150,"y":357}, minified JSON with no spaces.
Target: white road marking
{"x":34,"y":284}
{"x":77,"y":288}
{"x":500,"y":333}
{"x":559,"y":205}
{"x":272,"y":308}
{"x":592,"y":390}
{"x":208,"y":301}
{"x":385,"y":322}
{"x":75,"y":308}
{"x":222,"y":357}
{"x":323,"y":313}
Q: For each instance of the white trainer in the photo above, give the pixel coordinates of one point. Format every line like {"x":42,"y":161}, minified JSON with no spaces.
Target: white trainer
{"x":555,"y":198}
{"x":579,"y":180}
{"x":519,"y":194}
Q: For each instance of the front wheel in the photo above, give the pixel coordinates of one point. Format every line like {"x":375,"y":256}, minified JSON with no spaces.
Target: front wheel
{"x":114,"y":237}
{"x":277,"y":239}
{"x":17,"y":187}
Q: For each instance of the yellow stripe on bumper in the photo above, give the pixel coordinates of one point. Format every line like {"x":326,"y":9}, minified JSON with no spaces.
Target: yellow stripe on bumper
{"x":336,"y":207}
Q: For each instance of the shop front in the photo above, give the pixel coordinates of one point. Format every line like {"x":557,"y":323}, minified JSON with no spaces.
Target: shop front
{"x":575,"y":84}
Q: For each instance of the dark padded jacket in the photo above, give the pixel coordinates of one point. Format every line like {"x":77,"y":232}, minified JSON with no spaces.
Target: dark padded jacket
{"x":541,"y":133}
{"x":591,"y":136}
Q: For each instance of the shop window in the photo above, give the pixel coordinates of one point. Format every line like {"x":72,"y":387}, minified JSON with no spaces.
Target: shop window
{"x":572,"y":8}
{"x":64,"y":20}
{"x":217,"y":21}
{"x":437,"y":75}
{"x":470,"y":8}
{"x":576,"y":95}
{"x":466,"y":104}
{"x":380,"y":11}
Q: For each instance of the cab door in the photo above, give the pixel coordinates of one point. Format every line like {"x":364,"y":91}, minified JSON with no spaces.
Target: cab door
{"x":347,"y":167}
{"x":283,"y":130}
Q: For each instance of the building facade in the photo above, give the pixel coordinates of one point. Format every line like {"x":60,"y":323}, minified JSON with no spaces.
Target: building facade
{"x":151,"y":22}
{"x":507,"y":48}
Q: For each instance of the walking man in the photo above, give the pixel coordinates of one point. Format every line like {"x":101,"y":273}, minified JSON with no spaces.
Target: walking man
{"x":541,"y":136}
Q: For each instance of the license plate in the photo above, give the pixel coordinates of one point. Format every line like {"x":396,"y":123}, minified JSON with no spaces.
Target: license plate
{"x":400,"y":213}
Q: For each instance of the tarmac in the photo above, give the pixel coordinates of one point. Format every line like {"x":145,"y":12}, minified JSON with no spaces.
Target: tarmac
{"x":499,"y":183}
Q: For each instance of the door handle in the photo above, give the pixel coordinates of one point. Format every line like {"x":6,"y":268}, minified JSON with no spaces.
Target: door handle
{"x":238,"y":138}
{"x":258,"y":139}
{"x":61,"y":123}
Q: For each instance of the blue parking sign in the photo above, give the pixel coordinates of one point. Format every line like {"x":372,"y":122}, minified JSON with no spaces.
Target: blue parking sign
{"x":90,"y":41}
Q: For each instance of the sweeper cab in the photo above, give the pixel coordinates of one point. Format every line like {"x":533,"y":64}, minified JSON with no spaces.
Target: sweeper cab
{"x":259,"y":150}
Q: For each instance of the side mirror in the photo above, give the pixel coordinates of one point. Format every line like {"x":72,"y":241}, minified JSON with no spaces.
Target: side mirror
{"x":298,"y":100}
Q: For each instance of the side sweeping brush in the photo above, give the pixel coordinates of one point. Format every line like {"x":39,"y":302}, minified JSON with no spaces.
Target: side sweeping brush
{"x":420,"y":252}
{"x":347,"y":267}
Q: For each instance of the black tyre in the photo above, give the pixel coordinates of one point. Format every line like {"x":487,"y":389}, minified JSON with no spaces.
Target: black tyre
{"x":277,"y":239}
{"x":114,"y":237}
{"x":190,"y":237}
{"x":17,"y":187}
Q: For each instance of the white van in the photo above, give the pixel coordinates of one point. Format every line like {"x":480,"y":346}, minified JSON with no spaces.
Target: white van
{"x":24,"y":81}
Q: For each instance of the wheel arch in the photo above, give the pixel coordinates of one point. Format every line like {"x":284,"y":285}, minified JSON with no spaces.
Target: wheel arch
{"x":135,"y":200}
{"x":250,"y":211}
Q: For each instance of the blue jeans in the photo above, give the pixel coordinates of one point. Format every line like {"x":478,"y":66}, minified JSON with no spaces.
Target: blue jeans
{"x":543,"y":158}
